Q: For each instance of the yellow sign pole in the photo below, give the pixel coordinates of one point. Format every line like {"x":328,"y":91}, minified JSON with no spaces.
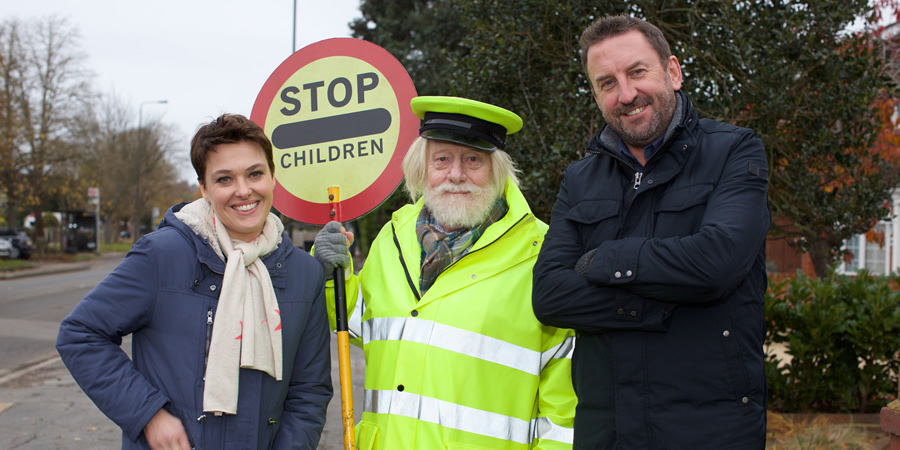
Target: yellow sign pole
{"x":337,"y":113}
{"x":343,"y":336}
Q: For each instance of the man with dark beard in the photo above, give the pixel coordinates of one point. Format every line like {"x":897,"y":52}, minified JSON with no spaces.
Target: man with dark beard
{"x":455,"y":357}
{"x":656,"y":256}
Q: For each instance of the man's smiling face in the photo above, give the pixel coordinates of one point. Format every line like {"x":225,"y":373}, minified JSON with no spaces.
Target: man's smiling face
{"x":634,"y":90}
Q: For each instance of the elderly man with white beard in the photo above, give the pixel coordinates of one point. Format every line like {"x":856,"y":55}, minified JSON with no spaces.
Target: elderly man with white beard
{"x":455,"y":357}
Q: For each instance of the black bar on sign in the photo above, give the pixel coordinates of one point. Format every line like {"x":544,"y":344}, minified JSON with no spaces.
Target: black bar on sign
{"x":334,"y":128}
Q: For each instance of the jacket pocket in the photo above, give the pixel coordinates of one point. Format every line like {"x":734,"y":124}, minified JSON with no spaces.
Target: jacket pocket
{"x":679,"y":210}
{"x":366,"y":435}
{"x":737,"y":372}
{"x":592,"y":211}
{"x":595,"y":220}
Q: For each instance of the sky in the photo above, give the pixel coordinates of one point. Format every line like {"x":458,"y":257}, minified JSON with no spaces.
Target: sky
{"x":202,"y":57}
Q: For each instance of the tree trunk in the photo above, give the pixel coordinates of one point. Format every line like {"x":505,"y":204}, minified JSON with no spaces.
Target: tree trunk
{"x":39,"y":240}
{"x":820,"y":255}
{"x":135,"y":233}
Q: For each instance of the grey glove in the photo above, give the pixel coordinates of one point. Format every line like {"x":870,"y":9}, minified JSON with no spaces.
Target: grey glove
{"x":331,"y":248}
{"x":584,"y":262}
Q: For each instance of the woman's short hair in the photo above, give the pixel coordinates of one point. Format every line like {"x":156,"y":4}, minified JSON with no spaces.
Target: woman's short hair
{"x":415,"y":169}
{"x":227,"y":129}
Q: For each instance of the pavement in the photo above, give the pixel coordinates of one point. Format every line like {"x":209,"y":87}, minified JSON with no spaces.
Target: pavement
{"x":41,"y":406}
{"x":45,"y":268}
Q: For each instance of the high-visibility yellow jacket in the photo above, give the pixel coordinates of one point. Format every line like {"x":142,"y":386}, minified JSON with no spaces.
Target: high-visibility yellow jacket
{"x":467,"y":365}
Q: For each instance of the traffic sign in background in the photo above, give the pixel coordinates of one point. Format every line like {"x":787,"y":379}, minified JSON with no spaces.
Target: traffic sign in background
{"x":338,"y":114}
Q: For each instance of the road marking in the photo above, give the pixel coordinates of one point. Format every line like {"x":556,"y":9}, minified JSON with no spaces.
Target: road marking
{"x":29,"y":369}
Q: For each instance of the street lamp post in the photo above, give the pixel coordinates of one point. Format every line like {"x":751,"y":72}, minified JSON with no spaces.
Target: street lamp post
{"x":294,"y":30}
{"x":137,"y":165}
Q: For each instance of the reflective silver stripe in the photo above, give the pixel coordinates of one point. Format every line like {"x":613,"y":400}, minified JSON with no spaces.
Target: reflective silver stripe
{"x":456,"y":340}
{"x":354,"y":323}
{"x":562,"y":351}
{"x":544,"y":428}
{"x":449,"y":415}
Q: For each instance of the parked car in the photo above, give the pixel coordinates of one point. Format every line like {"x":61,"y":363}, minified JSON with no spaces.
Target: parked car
{"x":22,"y":247}
{"x":5,"y":248}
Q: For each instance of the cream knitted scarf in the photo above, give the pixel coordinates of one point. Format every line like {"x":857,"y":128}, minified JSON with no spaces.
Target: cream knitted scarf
{"x":247,"y":325}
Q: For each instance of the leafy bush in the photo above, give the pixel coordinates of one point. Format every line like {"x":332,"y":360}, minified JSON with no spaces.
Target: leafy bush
{"x":842,"y":336}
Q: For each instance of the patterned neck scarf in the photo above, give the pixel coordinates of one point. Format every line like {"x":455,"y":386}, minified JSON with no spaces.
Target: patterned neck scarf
{"x":440,"y":249}
{"x":247,"y":328}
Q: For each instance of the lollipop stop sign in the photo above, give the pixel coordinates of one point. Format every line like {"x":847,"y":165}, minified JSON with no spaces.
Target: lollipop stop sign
{"x":337,"y":113}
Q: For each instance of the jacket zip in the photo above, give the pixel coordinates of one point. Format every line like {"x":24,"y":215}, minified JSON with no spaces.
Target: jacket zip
{"x":409,"y":280}
{"x":636,"y":183}
{"x":209,"y":324}
{"x":599,"y":151}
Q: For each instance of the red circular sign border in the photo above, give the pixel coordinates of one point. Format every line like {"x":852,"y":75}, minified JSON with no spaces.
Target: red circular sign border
{"x":319,"y":213}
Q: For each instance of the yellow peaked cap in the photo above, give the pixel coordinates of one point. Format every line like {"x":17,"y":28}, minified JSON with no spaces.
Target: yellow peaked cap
{"x":457,"y":105}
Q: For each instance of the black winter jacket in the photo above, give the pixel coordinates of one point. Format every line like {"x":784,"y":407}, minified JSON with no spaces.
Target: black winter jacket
{"x":669,"y":315}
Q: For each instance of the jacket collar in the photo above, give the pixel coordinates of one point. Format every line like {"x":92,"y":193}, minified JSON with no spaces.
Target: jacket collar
{"x":672,"y":155}
{"x":519,"y":215}
{"x":685,"y":115}
{"x":518,"y":209}
{"x":205,"y":253}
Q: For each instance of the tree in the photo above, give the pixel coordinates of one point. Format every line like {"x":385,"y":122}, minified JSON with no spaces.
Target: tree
{"x":112,"y":158}
{"x":425,"y":37}
{"x":787,"y":69}
{"x":151,"y":171}
{"x":55,"y":143}
{"x":10,"y":138}
{"x":524,"y":56}
{"x":45,"y":90}
{"x":809,"y":88}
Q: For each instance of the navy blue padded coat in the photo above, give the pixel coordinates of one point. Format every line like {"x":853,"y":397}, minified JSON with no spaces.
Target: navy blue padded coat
{"x":165,"y":292}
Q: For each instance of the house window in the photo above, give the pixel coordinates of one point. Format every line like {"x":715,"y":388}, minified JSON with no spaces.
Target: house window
{"x":871,"y":256}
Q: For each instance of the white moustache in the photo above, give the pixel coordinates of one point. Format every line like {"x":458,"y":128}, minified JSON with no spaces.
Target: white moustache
{"x":457,"y":189}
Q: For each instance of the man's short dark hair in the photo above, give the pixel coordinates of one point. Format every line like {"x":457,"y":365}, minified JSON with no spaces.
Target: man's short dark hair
{"x":611,"y":26}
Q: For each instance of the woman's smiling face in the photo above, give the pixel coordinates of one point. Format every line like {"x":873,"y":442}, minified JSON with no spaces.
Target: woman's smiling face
{"x":239,"y":186}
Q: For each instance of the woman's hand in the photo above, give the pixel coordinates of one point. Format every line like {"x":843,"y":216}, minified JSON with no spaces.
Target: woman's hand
{"x":165,"y":432}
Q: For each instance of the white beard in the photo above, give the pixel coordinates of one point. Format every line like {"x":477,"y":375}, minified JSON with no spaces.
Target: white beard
{"x":453,"y":212}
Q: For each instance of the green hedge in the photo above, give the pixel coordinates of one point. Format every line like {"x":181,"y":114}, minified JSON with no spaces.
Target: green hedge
{"x":842,"y":335}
